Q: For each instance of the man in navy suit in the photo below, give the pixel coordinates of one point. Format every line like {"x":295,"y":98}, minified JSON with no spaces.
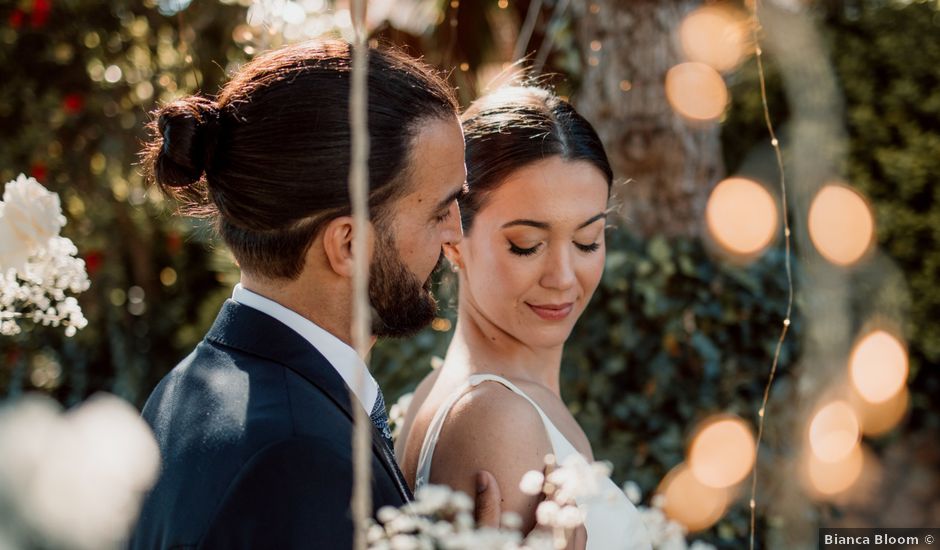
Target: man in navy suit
{"x":255,"y":425}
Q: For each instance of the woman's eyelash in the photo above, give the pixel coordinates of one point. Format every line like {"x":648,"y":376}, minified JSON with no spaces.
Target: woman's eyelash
{"x":519,"y":251}
{"x":443,"y":217}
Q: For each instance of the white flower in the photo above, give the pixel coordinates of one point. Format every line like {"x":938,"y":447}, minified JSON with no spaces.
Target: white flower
{"x":531,"y":483}
{"x":547,"y":512}
{"x":511,"y":520}
{"x":570,"y":517}
{"x":577,"y":478}
{"x":31,"y":215}
{"x":74,"y":480}
{"x":396,"y":414}
{"x":37,"y":266}
{"x":431,"y":498}
{"x":632,"y":490}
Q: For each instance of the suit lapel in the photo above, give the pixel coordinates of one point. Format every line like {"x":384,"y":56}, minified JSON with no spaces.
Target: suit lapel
{"x":249,"y":330}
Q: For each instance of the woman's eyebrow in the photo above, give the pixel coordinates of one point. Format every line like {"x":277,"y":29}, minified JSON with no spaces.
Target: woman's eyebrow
{"x":601,"y":216}
{"x":543,"y":225}
{"x":530,"y":223}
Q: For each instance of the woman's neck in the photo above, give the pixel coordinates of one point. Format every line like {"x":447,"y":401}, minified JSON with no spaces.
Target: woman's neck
{"x":479,"y":346}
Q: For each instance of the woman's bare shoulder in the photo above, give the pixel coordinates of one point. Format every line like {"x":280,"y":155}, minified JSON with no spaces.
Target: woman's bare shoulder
{"x":491,"y":428}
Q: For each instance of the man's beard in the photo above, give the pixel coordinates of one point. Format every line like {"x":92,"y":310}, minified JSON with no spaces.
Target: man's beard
{"x":401,"y":304}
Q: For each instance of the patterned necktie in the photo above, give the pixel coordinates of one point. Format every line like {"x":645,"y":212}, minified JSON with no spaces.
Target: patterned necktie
{"x":380,"y":418}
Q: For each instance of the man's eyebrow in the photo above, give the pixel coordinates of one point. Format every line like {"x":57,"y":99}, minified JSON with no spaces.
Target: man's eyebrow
{"x":543,"y":225}
{"x":459,"y":193}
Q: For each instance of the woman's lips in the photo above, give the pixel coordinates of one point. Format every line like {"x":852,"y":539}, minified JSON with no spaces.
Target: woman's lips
{"x":552,"y":312}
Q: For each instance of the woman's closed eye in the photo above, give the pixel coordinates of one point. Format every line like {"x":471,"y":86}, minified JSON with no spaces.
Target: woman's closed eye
{"x":593,"y":247}
{"x":520,"y":251}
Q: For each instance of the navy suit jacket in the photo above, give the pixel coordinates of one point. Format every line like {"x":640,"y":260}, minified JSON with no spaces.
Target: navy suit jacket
{"x":255,"y":430}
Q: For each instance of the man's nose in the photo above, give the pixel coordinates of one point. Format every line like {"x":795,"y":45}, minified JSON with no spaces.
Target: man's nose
{"x":453,"y":231}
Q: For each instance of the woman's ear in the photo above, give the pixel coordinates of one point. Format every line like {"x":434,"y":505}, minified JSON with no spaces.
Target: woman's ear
{"x":337,"y":244}
{"x":452,"y":251}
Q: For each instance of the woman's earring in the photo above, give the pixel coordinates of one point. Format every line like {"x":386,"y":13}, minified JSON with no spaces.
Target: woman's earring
{"x":455,"y":267}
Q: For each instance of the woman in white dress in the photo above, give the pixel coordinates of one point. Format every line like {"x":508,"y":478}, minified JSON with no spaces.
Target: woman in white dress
{"x":533,"y":253}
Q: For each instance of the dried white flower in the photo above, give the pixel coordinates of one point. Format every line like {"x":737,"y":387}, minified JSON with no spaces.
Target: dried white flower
{"x":396,"y":414}
{"x":632,"y":490}
{"x":570,"y":517}
{"x":531,"y":483}
{"x":547,"y":512}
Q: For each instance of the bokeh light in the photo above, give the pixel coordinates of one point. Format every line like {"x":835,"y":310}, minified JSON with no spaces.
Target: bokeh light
{"x":722,"y":452}
{"x":828,"y":479}
{"x":841,"y":224}
{"x":834,"y":431}
{"x":878,"y":366}
{"x":715,"y":35}
{"x":741,"y":216}
{"x":691,"y":503}
{"x":877,"y":419}
{"x":696,"y":91}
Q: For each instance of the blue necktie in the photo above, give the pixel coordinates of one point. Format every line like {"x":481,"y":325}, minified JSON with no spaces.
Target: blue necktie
{"x":380,"y":418}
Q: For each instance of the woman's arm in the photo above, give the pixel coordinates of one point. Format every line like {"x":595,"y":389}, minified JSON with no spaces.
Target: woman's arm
{"x":491,"y":428}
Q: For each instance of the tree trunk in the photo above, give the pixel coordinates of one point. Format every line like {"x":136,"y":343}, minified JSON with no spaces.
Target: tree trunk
{"x":665,"y":166}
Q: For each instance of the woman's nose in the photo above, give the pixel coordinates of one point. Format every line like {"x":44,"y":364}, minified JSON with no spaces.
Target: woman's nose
{"x":559,"y":270}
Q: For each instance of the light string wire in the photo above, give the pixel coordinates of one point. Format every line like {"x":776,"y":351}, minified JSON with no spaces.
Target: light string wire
{"x":775,"y":143}
{"x":361,"y":319}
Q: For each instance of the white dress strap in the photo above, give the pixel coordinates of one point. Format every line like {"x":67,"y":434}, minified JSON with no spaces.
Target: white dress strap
{"x":560,"y":446}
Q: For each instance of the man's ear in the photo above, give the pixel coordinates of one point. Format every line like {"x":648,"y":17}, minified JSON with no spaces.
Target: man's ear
{"x":337,"y":244}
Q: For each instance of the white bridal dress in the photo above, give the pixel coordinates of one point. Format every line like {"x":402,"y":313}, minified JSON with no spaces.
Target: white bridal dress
{"x":611,"y":520}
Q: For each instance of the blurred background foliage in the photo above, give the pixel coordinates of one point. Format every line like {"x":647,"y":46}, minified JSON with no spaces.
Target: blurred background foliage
{"x":674,"y":334}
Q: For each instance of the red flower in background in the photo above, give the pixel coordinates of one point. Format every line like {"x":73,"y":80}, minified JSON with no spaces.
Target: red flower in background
{"x":16,"y":18}
{"x":174,"y":242}
{"x":73,"y":103}
{"x":40,"y":15}
{"x":93,"y":261}
{"x":38,"y":171}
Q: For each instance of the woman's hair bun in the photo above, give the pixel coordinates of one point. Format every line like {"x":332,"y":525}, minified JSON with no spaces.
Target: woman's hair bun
{"x":186,"y":139}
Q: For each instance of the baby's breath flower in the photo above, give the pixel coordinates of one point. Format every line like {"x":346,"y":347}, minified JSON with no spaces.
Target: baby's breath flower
{"x":547,"y":512}
{"x":570,"y":517}
{"x":632,"y":490}
{"x":531,"y":483}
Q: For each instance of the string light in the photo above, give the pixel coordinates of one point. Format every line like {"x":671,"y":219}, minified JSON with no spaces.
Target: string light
{"x":778,"y":155}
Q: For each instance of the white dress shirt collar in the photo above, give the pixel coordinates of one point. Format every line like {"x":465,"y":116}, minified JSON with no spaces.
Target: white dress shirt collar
{"x":340,"y":355}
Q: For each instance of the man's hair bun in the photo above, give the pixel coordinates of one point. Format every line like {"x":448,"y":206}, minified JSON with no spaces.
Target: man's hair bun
{"x":187,"y":134}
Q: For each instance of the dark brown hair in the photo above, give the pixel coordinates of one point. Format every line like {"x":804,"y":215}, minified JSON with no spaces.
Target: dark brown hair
{"x":269,"y":158}
{"x":516,"y":126}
